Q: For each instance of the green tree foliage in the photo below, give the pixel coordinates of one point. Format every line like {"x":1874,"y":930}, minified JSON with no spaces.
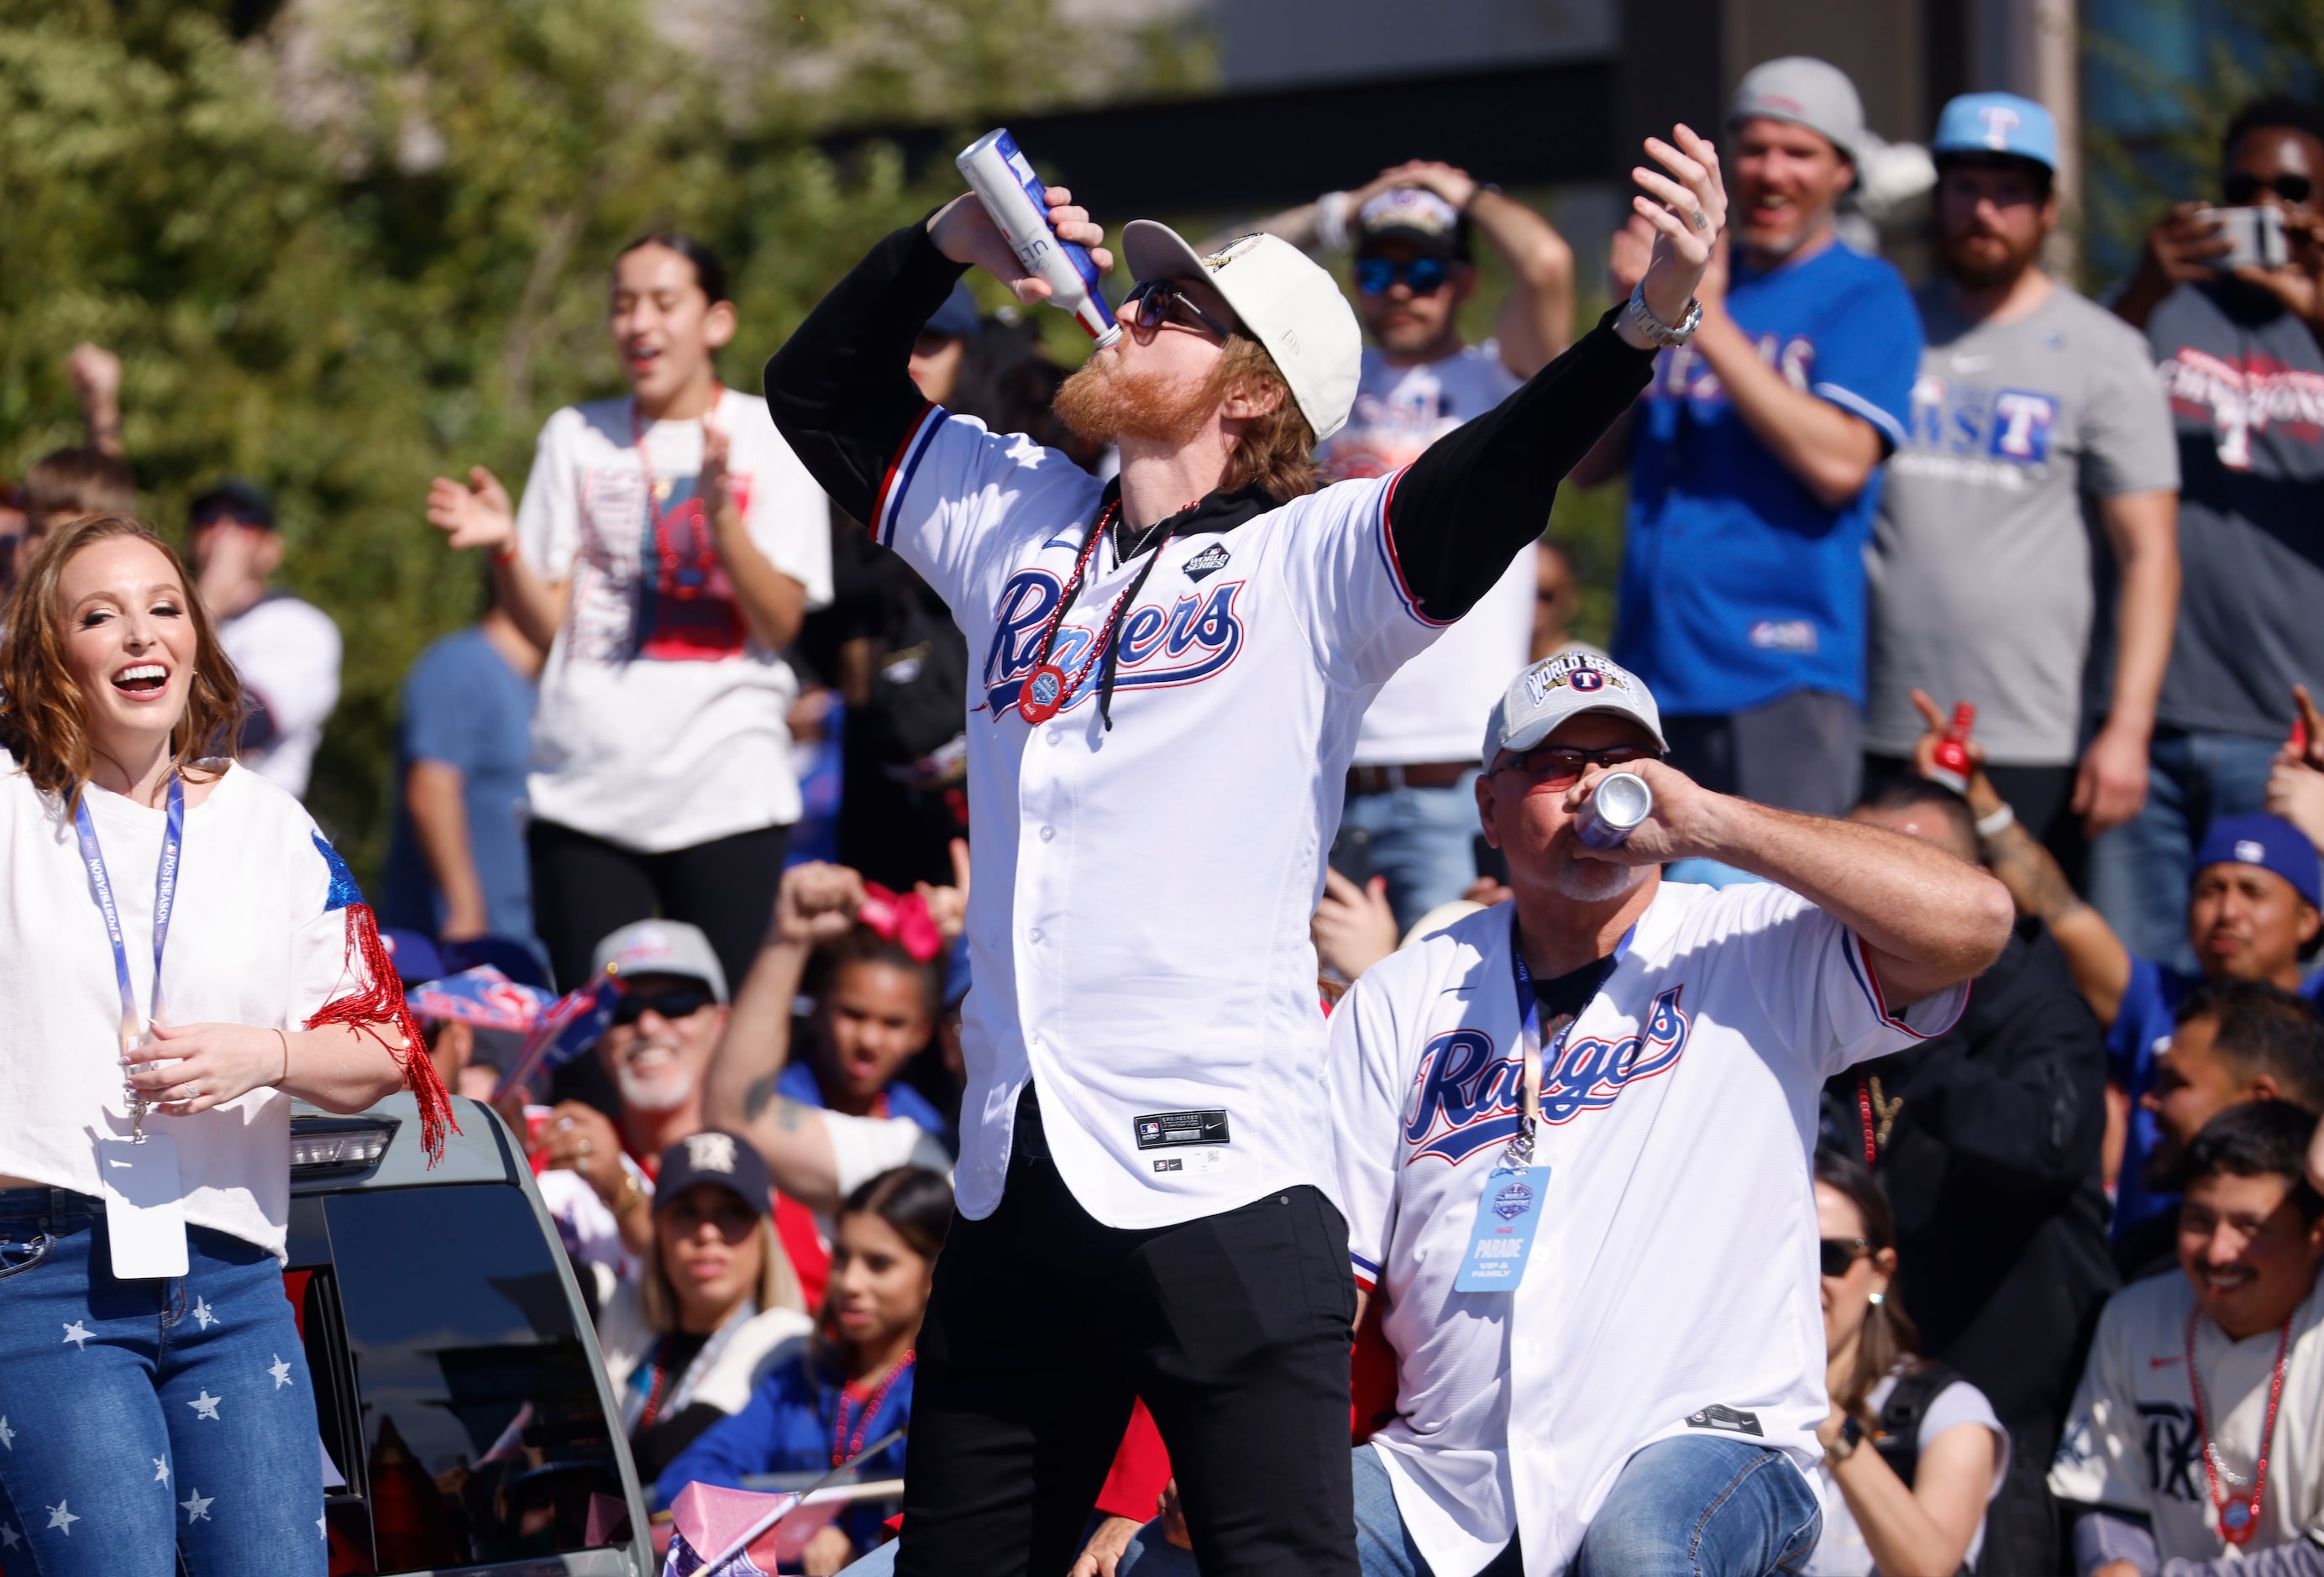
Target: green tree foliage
{"x":365,"y":241}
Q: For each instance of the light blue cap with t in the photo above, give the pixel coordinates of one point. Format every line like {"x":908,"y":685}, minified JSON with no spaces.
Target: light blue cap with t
{"x":1997,"y":122}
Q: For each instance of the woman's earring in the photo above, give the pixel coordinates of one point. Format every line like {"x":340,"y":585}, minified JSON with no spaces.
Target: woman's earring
{"x":1879,"y":1298}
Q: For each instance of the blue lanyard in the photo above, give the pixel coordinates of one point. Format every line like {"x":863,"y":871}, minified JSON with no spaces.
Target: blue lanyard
{"x":1528,"y":1034}
{"x":165,"y":893}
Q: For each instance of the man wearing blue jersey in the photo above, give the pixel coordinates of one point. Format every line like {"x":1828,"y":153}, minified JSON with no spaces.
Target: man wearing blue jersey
{"x":1754,"y":460}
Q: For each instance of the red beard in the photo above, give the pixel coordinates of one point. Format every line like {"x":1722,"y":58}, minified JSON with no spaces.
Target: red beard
{"x":1103,"y":405}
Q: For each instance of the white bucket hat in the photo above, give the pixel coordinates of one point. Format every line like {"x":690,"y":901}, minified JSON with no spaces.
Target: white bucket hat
{"x":1285,"y":301}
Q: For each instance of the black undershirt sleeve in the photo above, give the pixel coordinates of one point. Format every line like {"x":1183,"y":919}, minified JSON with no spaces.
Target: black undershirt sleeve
{"x":840,"y":388}
{"x":1481,"y":492}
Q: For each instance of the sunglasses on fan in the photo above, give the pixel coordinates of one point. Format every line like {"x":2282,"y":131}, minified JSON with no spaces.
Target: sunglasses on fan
{"x":683,"y":1002}
{"x":1838,"y":1254}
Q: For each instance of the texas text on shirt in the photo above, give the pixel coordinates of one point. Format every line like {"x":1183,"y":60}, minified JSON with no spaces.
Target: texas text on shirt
{"x":1674,"y":1283}
{"x":1138,"y":920}
{"x":661,"y":724}
{"x":2132,"y":1446}
{"x":1738,"y":587}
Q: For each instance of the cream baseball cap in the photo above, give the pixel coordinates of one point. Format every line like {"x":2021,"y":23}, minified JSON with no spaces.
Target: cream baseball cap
{"x":1285,"y":301}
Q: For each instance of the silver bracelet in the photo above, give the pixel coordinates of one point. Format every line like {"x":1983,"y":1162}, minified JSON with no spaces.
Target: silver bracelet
{"x":1655,"y":331}
{"x":1999,"y":821}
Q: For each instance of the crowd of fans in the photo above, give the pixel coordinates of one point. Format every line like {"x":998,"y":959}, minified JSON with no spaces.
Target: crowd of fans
{"x":1853,"y":508}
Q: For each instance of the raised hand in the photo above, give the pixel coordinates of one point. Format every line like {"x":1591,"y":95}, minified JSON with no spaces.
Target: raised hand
{"x":1687,"y":221}
{"x":816,"y":903}
{"x":477,"y":514}
{"x":963,"y":232}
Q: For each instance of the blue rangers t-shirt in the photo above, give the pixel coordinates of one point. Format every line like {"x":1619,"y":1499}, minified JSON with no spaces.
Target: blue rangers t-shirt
{"x":2142,"y":1026}
{"x":1737,"y":585}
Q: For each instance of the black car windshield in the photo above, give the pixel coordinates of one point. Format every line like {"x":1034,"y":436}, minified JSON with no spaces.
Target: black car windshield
{"x":483,"y":1435}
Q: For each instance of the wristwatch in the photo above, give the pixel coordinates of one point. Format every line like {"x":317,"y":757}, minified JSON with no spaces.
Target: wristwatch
{"x":633,"y":1193}
{"x":1851,"y":1434}
{"x":1642,"y":318}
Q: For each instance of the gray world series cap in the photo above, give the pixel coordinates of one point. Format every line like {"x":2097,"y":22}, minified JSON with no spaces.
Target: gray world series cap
{"x":1546,"y":693}
{"x":661,"y":948}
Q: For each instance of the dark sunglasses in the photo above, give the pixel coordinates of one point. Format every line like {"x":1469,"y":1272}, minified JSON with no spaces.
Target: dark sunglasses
{"x":682,"y":1004}
{"x":1558,"y":766}
{"x":2241,"y":189}
{"x":1154,"y":302}
{"x":1839,"y":1253}
{"x":1423,"y":276}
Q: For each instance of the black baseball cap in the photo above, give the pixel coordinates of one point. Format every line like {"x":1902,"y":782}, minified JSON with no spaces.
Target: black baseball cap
{"x":716,"y":1155}
{"x":237,"y":496}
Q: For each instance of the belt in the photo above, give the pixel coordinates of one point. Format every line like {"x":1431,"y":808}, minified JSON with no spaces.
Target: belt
{"x":1363,"y":780}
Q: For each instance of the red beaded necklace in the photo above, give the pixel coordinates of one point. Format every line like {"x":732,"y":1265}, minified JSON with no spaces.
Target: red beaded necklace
{"x":2238,"y":1515}
{"x":844,"y":1449}
{"x":1047,"y":690}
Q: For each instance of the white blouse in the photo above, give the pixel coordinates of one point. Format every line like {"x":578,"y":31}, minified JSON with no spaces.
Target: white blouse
{"x":259,"y":937}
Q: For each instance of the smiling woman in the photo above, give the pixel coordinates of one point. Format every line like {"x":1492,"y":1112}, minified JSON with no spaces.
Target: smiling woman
{"x":145,"y":1169}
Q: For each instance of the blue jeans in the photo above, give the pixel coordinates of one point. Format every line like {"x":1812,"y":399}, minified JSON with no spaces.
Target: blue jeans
{"x":1383,"y":1547}
{"x":173,"y":1417}
{"x":2139,"y":871}
{"x":1423,"y":840}
{"x":1695,"y":1505}
{"x":1703,"y":1506}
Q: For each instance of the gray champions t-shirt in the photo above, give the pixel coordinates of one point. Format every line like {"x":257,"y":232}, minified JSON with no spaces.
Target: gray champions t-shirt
{"x":2245,"y":382}
{"x":1979,"y":565}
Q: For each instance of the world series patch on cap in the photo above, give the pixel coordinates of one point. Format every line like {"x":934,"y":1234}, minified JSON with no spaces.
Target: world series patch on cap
{"x":1545,"y":694}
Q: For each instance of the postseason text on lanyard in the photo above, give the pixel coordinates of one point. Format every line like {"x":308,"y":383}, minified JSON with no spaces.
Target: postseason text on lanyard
{"x":144,"y":1215}
{"x":1500,"y":1241}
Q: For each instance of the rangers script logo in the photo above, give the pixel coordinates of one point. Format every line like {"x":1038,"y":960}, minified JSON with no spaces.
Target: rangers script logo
{"x":1466,"y":1097}
{"x":1198,"y":636}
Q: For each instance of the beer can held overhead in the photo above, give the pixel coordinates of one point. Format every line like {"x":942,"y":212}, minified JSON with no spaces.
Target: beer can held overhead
{"x":1615,"y":809}
{"x":1003,"y":180}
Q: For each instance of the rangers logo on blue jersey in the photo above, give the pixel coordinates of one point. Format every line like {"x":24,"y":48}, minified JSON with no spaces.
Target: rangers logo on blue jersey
{"x":1200,"y":635}
{"x":1466,"y":1097}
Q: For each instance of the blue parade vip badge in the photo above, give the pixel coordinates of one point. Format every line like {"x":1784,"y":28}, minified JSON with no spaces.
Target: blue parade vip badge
{"x":1501,"y":1240}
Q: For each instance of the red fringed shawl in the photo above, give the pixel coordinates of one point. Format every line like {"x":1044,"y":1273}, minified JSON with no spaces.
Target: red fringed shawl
{"x":379,"y":1003}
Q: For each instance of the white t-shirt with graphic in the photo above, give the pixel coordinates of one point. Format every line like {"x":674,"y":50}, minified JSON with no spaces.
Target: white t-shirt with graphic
{"x":661,"y":724}
{"x":1671,"y":1286}
{"x":2131,"y":1443}
{"x":1435,"y":707}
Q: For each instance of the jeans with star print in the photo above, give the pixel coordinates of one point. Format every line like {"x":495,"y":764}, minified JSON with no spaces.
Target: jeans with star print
{"x":143,"y":1421}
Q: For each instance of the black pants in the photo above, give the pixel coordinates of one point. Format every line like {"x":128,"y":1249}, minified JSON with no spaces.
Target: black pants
{"x":1802,"y":751}
{"x":585,"y":888}
{"x":1045,"y":1326}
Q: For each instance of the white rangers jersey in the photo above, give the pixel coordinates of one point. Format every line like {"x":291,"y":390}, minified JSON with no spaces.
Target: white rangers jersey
{"x":1139,"y":909}
{"x":1672,"y":1282}
{"x":2131,"y":1442}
